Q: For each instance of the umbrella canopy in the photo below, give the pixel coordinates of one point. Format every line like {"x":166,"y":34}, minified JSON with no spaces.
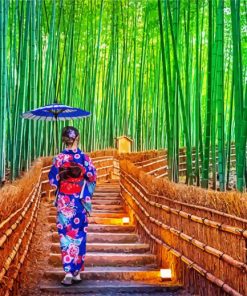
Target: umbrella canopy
{"x":55,"y":112}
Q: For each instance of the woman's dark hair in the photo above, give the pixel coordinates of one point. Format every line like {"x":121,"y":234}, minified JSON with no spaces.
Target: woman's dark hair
{"x":69,"y":134}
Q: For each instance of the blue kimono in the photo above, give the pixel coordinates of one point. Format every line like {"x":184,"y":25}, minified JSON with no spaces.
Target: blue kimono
{"x":74,"y":176}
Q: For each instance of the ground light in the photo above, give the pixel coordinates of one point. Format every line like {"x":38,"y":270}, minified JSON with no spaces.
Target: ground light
{"x":126,"y":220}
{"x":165,"y":274}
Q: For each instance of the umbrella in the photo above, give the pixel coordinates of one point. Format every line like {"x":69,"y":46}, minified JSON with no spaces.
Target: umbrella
{"x":55,"y":112}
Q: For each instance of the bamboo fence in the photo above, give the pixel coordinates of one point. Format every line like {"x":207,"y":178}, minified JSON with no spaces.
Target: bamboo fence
{"x":166,"y":73}
{"x":204,"y":247}
{"x":18,"y":218}
{"x":155,"y":163}
{"x":188,"y":228}
{"x":15,"y":238}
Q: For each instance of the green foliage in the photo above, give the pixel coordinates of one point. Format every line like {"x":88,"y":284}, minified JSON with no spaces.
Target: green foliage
{"x":168,"y":73}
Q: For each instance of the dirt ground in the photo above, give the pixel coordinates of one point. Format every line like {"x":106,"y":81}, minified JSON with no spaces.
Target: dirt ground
{"x":37,"y":258}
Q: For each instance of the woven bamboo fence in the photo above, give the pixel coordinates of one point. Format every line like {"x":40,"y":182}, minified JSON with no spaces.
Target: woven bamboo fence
{"x":19,"y":206}
{"x":19,"y":209}
{"x":155,"y":162}
{"x":200,"y":234}
{"x":205,"y":247}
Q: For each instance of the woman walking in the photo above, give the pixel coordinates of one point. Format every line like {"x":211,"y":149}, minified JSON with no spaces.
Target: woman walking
{"x":74,"y":177}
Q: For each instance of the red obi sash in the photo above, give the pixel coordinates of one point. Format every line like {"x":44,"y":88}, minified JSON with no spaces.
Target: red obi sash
{"x":71,"y":178}
{"x":67,"y":187}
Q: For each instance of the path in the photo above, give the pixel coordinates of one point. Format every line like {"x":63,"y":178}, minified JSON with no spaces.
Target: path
{"x":116,"y":261}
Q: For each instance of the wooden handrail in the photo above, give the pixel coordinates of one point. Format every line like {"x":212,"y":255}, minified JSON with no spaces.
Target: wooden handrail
{"x":196,"y":207}
{"x":24,"y":205}
{"x":219,"y":254}
{"x":12,"y":280}
{"x":185,"y":259}
{"x":162,"y":175}
{"x":184,"y":238}
{"x":16,"y":247}
{"x":158,"y":169}
{"x":106,"y":167}
{"x":155,"y":160}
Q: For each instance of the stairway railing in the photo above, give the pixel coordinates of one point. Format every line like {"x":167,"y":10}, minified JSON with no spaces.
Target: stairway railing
{"x":157,"y":165}
{"x":202,"y":245}
{"x":205,"y":248}
{"x":16,"y":230}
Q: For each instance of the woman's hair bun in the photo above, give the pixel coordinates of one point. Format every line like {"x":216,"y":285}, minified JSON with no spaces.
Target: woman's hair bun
{"x":69,"y":134}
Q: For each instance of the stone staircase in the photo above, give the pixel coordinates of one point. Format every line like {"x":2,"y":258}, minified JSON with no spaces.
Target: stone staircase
{"x":116,"y":261}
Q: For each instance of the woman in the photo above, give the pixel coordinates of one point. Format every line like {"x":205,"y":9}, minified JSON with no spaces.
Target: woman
{"x":74,"y":177}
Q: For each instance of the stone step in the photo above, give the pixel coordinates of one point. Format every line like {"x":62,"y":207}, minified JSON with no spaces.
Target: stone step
{"x":109,"y":259}
{"x":109,"y":288}
{"x":106,"y":207}
{"x":109,"y":273}
{"x":102,"y":220}
{"x":104,"y":194}
{"x":99,"y":237}
{"x":104,"y":228}
{"x":138,"y":248}
{"x":106,"y":202}
{"x":109,"y":189}
{"x":108,"y":214}
{"x":115,"y":188}
{"x":98,"y":205}
{"x":114,"y":184}
{"x":108,"y":184}
{"x":96,"y":220}
{"x":98,"y":209}
{"x":101,"y":198}
{"x":102,"y":210}
{"x":107,"y":197}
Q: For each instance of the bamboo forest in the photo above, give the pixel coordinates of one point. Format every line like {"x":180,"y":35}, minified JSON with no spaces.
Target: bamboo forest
{"x":123,"y":152}
{"x":170,"y":74}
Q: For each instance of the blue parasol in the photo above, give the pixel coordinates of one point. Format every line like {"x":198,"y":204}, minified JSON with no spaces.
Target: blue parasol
{"x":55,"y":112}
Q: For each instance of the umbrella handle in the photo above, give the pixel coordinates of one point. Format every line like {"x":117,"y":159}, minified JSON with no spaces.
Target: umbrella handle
{"x":56,"y":135}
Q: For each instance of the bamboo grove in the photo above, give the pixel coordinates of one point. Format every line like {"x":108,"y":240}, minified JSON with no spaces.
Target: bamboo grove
{"x":168,"y":73}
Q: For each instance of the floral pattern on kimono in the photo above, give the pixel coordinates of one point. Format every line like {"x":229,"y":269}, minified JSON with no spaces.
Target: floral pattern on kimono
{"x":72,"y":221}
